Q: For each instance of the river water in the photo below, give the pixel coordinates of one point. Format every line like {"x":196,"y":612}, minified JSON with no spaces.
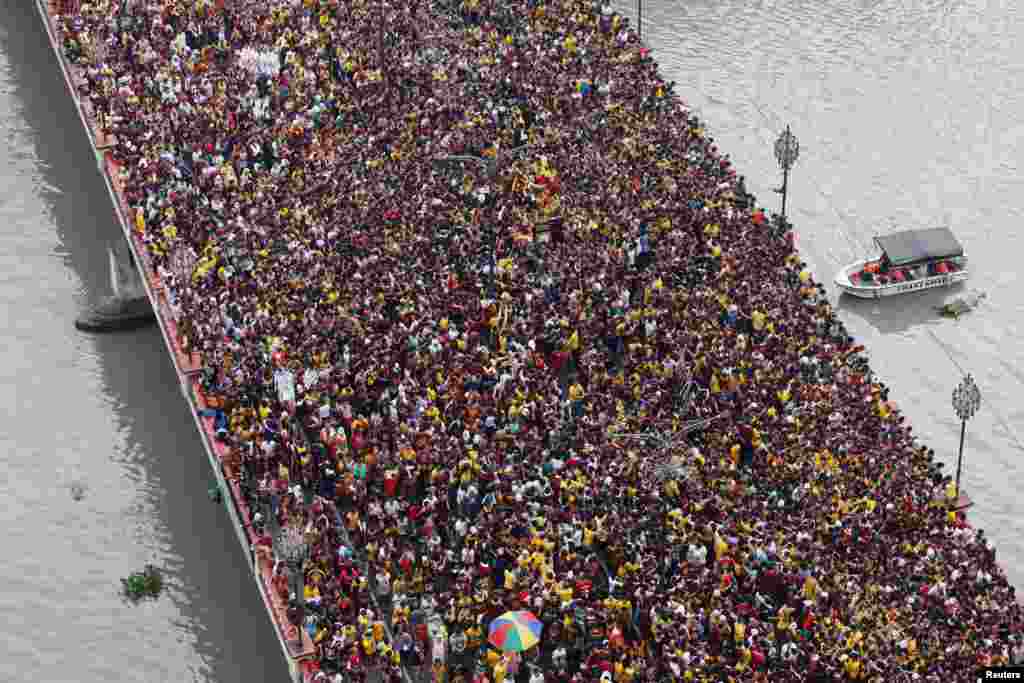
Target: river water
{"x":105,"y":412}
{"x":909,"y":114}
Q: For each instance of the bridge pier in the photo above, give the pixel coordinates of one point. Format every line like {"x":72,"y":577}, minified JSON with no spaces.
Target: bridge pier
{"x":127,"y":308}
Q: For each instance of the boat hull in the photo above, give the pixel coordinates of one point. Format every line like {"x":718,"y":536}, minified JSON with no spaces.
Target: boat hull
{"x":874,"y":291}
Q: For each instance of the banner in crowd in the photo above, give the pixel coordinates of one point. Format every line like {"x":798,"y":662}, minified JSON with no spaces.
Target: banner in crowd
{"x":284,"y":382}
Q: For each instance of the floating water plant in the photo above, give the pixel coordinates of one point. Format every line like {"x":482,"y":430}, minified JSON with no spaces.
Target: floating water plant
{"x":141,"y":585}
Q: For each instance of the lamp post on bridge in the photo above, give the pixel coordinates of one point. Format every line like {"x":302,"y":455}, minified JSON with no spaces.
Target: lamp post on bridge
{"x":966,"y":400}
{"x":291,"y":547}
{"x":787,"y":151}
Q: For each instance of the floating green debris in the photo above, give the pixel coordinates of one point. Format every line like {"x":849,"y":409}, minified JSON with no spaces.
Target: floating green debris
{"x":141,"y":585}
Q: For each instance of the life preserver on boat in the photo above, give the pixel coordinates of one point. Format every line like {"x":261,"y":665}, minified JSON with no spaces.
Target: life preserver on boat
{"x":942,"y":268}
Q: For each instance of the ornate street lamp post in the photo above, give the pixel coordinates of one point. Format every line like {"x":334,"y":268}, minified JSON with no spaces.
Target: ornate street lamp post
{"x":291,"y":547}
{"x":787,"y":151}
{"x":966,"y":400}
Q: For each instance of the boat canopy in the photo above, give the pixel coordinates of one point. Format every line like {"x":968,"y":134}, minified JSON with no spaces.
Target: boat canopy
{"x":911,"y":246}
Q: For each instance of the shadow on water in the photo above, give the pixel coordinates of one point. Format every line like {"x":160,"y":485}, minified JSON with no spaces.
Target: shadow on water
{"x":220,"y":607}
{"x":898,"y":314}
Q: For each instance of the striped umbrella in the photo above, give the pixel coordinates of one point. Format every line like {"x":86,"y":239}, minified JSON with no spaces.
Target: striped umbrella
{"x":515,"y":631}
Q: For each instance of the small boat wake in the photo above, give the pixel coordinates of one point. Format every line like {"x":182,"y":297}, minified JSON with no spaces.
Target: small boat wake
{"x":961,"y":304}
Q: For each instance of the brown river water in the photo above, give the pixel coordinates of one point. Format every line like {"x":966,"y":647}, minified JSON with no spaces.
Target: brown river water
{"x":910,"y":113}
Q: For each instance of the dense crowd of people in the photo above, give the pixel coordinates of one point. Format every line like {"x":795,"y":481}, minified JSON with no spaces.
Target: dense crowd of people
{"x":584,"y":377}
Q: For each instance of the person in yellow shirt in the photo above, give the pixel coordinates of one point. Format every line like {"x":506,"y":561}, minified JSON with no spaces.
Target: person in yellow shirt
{"x":810,"y":588}
{"x":576,"y":395}
{"x":883,"y":409}
{"x":784,"y":614}
{"x":853,"y":668}
{"x":758,"y":320}
{"x":510,"y":580}
{"x":536,"y":560}
{"x":745,"y":658}
{"x":721,"y":547}
{"x":573,"y":344}
{"x":739,"y":633}
{"x":475,"y":635}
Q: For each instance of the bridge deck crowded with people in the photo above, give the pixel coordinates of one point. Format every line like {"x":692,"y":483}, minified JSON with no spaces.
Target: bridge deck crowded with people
{"x":590,"y":379}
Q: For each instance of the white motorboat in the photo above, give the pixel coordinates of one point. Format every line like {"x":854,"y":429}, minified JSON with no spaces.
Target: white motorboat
{"x":909,"y":261}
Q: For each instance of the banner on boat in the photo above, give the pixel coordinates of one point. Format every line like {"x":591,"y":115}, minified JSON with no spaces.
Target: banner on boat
{"x":924,"y":284}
